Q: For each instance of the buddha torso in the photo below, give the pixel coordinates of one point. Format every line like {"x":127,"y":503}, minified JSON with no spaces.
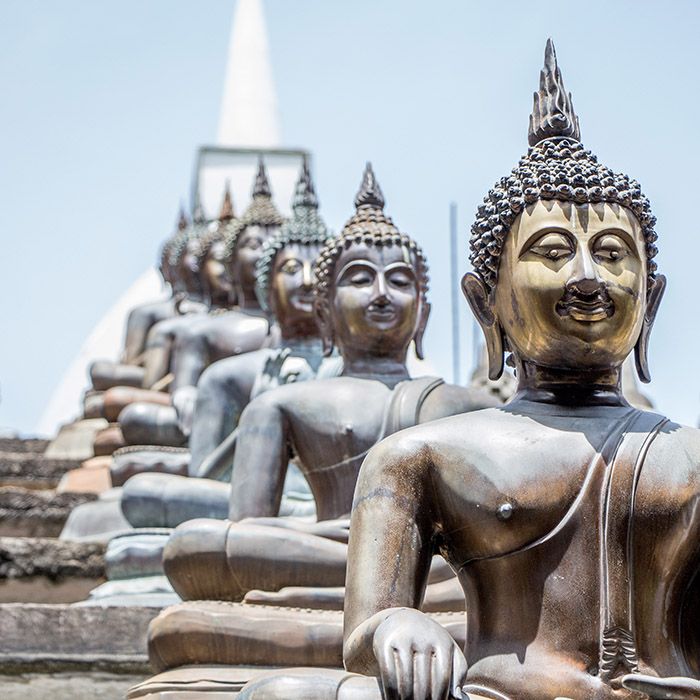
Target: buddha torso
{"x":529,"y":555}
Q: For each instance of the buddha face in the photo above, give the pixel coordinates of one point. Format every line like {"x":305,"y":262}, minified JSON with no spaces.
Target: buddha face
{"x":190,"y":265}
{"x":291,"y":287}
{"x":248,"y":250}
{"x":375,"y":300}
{"x":215,"y":271}
{"x":572,"y":282}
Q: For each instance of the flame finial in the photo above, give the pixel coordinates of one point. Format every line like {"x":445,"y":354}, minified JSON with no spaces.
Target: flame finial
{"x":553,"y":112}
{"x":370,"y":193}
{"x":305,"y":193}
{"x":226,"y":213}
{"x":262,"y":184}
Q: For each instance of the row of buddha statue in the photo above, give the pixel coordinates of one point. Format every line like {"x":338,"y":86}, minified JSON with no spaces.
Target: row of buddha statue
{"x":443,"y":543}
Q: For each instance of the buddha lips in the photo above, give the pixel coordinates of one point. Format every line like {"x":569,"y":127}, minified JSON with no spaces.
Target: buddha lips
{"x":595,"y":306}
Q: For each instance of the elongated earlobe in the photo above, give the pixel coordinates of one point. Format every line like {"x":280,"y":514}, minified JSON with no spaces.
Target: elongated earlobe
{"x":420,"y":330}
{"x":477,"y":295}
{"x":641,"y":349}
{"x":325,"y":326}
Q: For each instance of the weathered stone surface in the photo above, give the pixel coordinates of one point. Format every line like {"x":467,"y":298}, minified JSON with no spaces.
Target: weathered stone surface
{"x":33,"y":445}
{"x":108,"y":440}
{"x":48,"y":570}
{"x":33,"y":470}
{"x":55,"y":638}
{"x":22,"y":557}
{"x":33,"y":513}
{"x":67,"y":686}
{"x":74,"y":441}
{"x":92,"y":477}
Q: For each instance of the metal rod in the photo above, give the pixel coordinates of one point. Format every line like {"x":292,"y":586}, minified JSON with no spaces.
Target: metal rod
{"x":454,"y":268}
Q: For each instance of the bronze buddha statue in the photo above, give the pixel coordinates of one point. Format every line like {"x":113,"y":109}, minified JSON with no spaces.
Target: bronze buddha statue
{"x":128,"y":370}
{"x":371,"y":302}
{"x":569,"y":516}
{"x":284,"y":288}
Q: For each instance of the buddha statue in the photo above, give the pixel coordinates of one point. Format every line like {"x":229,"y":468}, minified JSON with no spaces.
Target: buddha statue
{"x":128,"y":371}
{"x":569,"y":516}
{"x":245,"y":328}
{"x":185,"y":258}
{"x":371,"y":303}
{"x":284,"y":288}
{"x":145,"y":421}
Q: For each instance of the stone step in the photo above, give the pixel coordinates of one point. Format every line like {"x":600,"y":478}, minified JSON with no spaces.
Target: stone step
{"x":95,"y":685}
{"x":36,"y":513}
{"x":33,"y":471}
{"x":32,"y":445}
{"x":52,"y":639}
{"x":42,"y":570}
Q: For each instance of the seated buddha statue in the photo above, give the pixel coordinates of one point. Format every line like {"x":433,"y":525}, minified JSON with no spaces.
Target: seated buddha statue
{"x":143,"y":419}
{"x":569,"y":516}
{"x":128,"y":370}
{"x":371,"y":303}
{"x":244,"y":328}
{"x":196,"y":343}
{"x":284,"y":288}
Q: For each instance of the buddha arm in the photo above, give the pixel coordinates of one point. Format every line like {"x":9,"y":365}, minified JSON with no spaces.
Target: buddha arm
{"x":157,"y":360}
{"x":390,"y":547}
{"x":261,"y":459}
{"x":190,"y":358}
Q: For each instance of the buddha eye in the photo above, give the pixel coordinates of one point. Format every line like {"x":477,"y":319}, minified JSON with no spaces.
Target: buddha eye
{"x":291,"y":266}
{"x":400,"y":279}
{"x":361,"y":278}
{"x":610,"y":248}
{"x":552,"y":246}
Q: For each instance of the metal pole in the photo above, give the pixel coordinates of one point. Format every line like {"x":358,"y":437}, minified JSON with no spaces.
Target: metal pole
{"x":454,"y":269}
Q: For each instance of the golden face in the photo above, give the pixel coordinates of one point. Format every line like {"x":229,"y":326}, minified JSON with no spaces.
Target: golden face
{"x":572,"y":282}
{"x":376,"y":299}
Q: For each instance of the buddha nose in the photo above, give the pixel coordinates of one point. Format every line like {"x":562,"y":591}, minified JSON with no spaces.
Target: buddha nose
{"x":381,"y":296}
{"x":584,"y":279}
{"x":307,"y":277}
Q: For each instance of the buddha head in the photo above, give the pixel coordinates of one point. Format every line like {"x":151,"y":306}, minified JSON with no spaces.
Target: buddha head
{"x":216,"y":276}
{"x":167,"y":271}
{"x":185,"y":254}
{"x":244,"y":237}
{"x":563,"y":252}
{"x":372,"y":283}
{"x":285,"y":270}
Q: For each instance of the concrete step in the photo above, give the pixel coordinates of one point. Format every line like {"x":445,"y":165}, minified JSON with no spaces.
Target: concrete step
{"x":58,"y":639}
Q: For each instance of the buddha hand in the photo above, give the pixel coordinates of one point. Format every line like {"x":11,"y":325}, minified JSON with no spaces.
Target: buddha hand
{"x":667,"y":688}
{"x":417,"y":658}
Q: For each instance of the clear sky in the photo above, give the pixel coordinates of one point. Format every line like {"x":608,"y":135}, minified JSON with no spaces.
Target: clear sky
{"x":105,"y":103}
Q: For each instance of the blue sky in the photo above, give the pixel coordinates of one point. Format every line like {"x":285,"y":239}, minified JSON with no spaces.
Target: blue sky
{"x":104,"y":104}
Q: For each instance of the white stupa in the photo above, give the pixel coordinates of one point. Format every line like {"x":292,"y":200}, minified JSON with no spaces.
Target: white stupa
{"x":249,"y":118}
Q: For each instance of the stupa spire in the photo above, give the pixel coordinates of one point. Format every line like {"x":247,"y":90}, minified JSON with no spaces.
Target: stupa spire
{"x":249,"y":114}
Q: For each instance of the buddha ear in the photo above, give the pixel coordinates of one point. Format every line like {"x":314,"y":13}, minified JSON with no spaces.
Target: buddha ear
{"x":641,"y":349}
{"x":325,"y":324}
{"x":477,"y":295}
{"x":420,"y":330}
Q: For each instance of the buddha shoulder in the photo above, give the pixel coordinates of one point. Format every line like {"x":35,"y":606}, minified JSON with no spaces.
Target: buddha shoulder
{"x":674,"y":457}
